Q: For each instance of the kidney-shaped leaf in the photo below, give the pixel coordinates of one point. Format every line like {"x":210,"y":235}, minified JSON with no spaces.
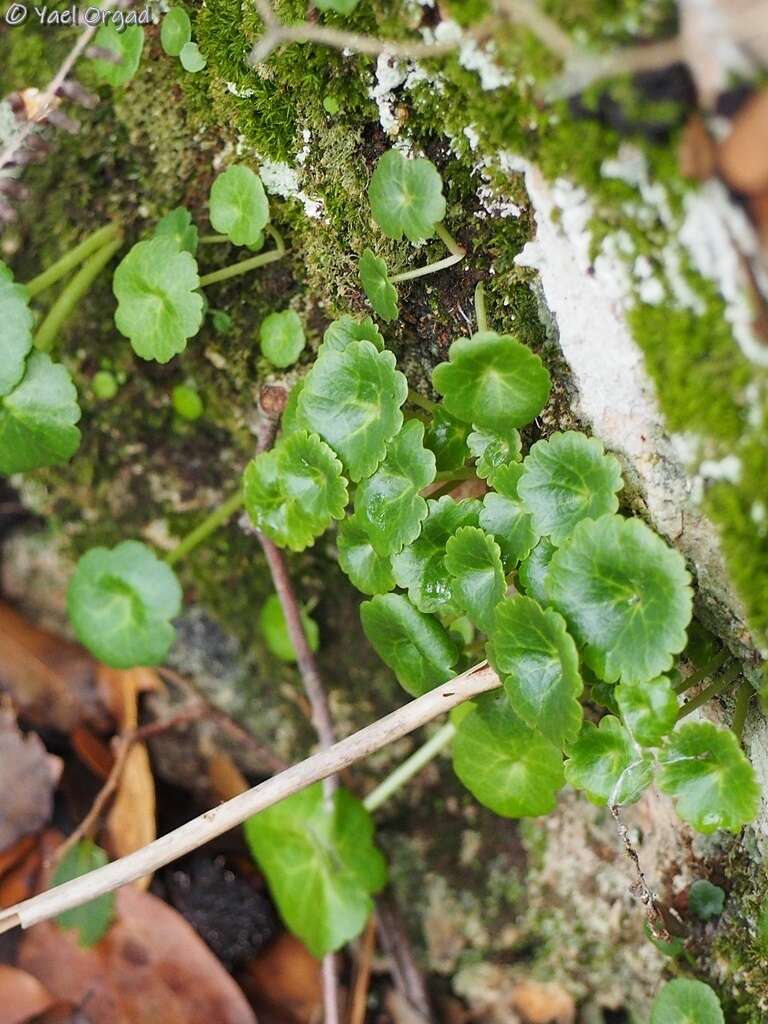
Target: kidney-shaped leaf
{"x":178,"y":225}
{"x":16,"y":318}
{"x":706,"y":900}
{"x":406,"y":196}
{"x":568,"y":478}
{"x":274,"y":629}
{"x":649,"y":709}
{"x":176,"y":31}
{"x":473,"y":561}
{"x":121,"y":602}
{"x":38,"y":417}
{"x":704,"y":768}
{"x":493,"y":451}
{"x":504,"y":764}
{"x":420,"y":567}
{"x":347,"y":328}
{"x":686,"y":1001}
{"x":625,"y":595}
{"x":127,"y":46}
{"x":415,"y":646}
{"x":370,"y":572}
{"x":238,"y":204}
{"x":92,"y":919}
{"x":282,"y":337}
{"x":388,"y":504}
{"x":159,"y":306}
{"x":352,"y":399}
{"x":293,"y":492}
{"x":382,"y":294}
{"x":493,"y":381}
{"x":608,"y":765}
{"x":531,"y":649}
{"x":321,"y":865}
{"x":507,"y":518}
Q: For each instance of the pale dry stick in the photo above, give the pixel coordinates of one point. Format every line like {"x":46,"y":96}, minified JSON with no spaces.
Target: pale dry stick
{"x":48,"y":96}
{"x":655,"y":916}
{"x":226,"y":816}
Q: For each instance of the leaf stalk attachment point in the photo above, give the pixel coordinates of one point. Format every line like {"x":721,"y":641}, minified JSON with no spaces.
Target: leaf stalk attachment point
{"x":244,"y":266}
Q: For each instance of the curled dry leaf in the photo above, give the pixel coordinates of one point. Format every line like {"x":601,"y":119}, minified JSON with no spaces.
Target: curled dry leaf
{"x":131,"y":820}
{"x":26,"y":782}
{"x":51,"y":680}
{"x":149,"y":967}
{"x":743,"y":155}
{"x":284,"y":982}
{"x":21,"y":996}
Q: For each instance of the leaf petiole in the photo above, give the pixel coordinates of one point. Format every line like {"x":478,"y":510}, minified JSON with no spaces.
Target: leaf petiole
{"x":703,"y":673}
{"x":744,"y":695}
{"x":244,"y":266}
{"x":72,"y":259}
{"x":713,"y":690}
{"x":410,"y":767}
{"x":213,"y":239}
{"x":457,"y":255}
{"x":71,"y":294}
{"x":220,"y":515}
{"x":418,"y":399}
{"x":480,"y":313}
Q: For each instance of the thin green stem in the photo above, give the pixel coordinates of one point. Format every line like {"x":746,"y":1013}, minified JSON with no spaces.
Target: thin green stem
{"x":244,"y":266}
{"x":703,"y":673}
{"x":410,"y":767}
{"x":72,"y":259}
{"x":744,"y":695}
{"x":456,"y":251}
{"x":425,"y":403}
{"x":480,"y":313}
{"x":72,"y":293}
{"x":220,"y":515}
{"x":213,"y":239}
{"x":713,"y":690}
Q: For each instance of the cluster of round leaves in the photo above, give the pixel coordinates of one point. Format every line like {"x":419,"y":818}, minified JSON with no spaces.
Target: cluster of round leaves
{"x":176,"y":40}
{"x":38,"y":401}
{"x":565,"y":589}
{"x":160,"y":306}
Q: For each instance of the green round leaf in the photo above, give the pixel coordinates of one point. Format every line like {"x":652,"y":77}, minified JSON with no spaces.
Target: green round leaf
{"x":388,"y":505}
{"x":381,"y":293}
{"x":370,"y":572}
{"x":534,"y":571}
{"x":191,"y":58}
{"x":275,"y":630}
{"x":538,"y":660}
{"x":282,"y":338}
{"x":406,"y":196}
{"x":706,"y":771}
{"x":321,"y":865}
{"x":473,"y":560}
{"x":352,"y":399}
{"x":447,"y":438}
{"x":176,"y":31}
{"x":38,"y":417}
{"x":239,"y":207}
{"x":493,"y":451}
{"x":92,"y":919}
{"x":104,"y":385}
{"x":507,"y":518}
{"x":178,"y":225}
{"x":120,"y":603}
{"x":420,"y":567}
{"x":648,"y":709}
{"x":685,"y":1001}
{"x":16,"y":318}
{"x":158,"y":305}
{"x":569,"y":478}
{"x":293,"y":492}
{"x":508,"y":767}
{"x":607,"y":764}
{"x":706,"y":900}
{"x":415,"y":646}
{"x":625,"y":596}
{"x":187,"y":403}
{"x":340,"y":332}
{"x":493,"y":381}
{"x":127,"y":44}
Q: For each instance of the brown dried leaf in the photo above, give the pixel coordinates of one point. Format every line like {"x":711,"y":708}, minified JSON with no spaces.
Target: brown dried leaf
{"x":51,"y":680}
{"x":284,"y":982}
{"x":131,"y":820}
{"x":743,"y":154}
{"x":120,"y":689}
{"x":26,"y":783}
{"x":149,"y":967}
{"x":21,"y":996}
{"x":696,"y":152}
